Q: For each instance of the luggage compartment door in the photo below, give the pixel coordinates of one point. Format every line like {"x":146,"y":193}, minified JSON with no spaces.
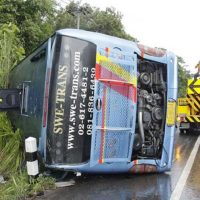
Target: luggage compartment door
{"x":114,"y":107}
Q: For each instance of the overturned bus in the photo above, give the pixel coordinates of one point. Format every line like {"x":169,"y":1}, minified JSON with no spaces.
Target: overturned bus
{"x":97,"y":103}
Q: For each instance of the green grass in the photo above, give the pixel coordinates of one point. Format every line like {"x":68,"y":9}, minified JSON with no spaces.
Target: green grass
{"x":11,"y":148}
{"x":20,"y":186}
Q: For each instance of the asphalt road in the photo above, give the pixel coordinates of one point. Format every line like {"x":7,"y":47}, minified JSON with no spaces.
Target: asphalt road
{"x":139,"y":187}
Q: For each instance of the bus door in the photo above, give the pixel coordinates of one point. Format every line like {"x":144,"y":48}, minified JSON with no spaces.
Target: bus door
{"x":114,"y":107}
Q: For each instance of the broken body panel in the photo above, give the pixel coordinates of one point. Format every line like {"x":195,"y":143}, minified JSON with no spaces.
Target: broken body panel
{"x":98,"y":104}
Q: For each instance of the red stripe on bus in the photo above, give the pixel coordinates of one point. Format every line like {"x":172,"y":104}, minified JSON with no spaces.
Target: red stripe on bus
{"x":97,"y":71}
{"x":103,"y":73}
{"x":46,"y":98}
{"x":107,"y":52}
{"x":135,"y":162}
{"x":103,"y":125}
{"x":127,"y":89}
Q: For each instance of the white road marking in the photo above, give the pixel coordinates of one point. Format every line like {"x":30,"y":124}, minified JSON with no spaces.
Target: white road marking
{"x":176,"y":194}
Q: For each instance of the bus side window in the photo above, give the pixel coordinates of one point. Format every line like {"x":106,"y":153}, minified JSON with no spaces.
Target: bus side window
{"x":39,"y":55}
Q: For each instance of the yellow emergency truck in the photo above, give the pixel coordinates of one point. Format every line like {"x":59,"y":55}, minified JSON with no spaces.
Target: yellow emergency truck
{"x":188,"y":109}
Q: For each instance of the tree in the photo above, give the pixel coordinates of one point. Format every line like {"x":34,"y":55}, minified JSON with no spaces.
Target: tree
{"x":34,"y":18}
{"x":11,"y":51}
{"x":38,"y":19}
{"x":92,"y":19}
{"x":183,"y":76}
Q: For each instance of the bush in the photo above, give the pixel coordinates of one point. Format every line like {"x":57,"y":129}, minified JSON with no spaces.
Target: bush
{"x":11,"y":148}
{"x":11,"y":51}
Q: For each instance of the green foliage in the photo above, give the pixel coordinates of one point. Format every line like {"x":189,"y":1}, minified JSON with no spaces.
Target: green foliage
{"x":38,"y":19}
{"x":42,"y":183}
{"x":93,"y":19}
{"x":11,"y":150}
{"x":109,"y":22}
{"x":11,"y":51}
{"x":34,"y":18}
{"x":21,"y":186}
{"x":183,"y":76}
{"x":16,"y":188}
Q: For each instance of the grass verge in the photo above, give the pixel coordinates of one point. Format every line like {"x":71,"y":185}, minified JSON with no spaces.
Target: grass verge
{"x":11,"y":148}
{"x":20,"y":186}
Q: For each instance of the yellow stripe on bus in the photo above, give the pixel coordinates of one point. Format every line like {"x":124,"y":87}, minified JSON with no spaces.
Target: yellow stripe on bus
{"x":116,"y":69}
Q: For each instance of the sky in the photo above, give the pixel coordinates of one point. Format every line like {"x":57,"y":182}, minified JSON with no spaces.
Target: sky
{"x":170,"y":24}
